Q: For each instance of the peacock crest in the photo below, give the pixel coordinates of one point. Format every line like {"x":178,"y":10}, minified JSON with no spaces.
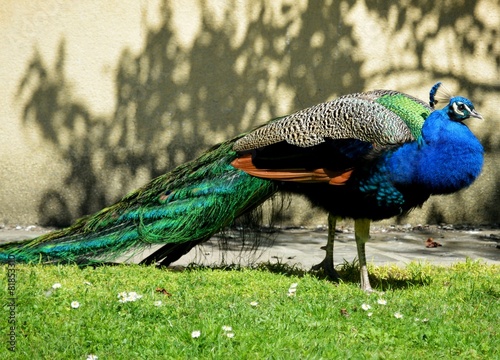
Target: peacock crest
{"x":439,"y":94}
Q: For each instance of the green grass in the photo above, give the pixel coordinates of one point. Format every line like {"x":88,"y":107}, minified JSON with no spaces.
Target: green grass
{"x":448,"y":313}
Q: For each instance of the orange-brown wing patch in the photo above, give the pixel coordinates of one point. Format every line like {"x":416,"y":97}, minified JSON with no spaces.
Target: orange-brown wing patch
{"x":245,"y":164}
{"x":341,"y":177}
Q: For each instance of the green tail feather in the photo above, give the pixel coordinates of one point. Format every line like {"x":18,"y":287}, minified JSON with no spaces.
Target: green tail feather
{"x":190,"y":203}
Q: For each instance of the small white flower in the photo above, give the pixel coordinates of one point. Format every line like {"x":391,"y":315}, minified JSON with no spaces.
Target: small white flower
{"x":382,"y":302}
{"x":56,"y":286}
{"x":124,"y":297}
{"x":92,"y":357}
{"x":196,"y":334}
{"x":370,"y":314}
{"x":88,"y":284}
{"x":292,"y":289}
{"x":365,"y":307}
{"x":254,"y":303}
{"x":230,"y":335}
{"x":157,"y":303}
{"x":227,"y":328}
{"x":398,"y":315}
{"x":424,"y":320}
{"x":133,"y":296}
{"x":75,"y":304}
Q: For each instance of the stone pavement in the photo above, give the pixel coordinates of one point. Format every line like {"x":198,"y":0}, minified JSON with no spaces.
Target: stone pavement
{"x":302,"y":247}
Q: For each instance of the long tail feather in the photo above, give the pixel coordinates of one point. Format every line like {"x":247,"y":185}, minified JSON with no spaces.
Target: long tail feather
{"x":187,"y":205}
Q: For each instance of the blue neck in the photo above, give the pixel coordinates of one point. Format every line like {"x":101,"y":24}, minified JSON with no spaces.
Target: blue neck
{"x":447,"y":158}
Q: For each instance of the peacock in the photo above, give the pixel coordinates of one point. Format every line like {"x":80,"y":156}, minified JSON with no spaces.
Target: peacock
{"x":365,"y":156}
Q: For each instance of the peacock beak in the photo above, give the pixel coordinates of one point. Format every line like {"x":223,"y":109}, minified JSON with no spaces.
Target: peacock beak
{"x":475,"y":114}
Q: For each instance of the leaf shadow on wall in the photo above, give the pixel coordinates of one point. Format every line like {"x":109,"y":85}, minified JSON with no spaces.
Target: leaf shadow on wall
{"x":173,"y":103}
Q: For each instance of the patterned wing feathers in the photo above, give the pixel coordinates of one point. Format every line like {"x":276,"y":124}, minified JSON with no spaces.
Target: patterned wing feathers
{"x":356,"y":116}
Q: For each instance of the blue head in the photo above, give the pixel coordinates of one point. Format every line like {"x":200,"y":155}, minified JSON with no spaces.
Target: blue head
{"x":460,"y":109}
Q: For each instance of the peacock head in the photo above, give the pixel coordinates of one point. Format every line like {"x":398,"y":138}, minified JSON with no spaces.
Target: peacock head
{"x":460,"y":109}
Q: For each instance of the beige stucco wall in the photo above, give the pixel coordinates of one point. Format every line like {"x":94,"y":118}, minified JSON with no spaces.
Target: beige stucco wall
{"x":97,"y":97}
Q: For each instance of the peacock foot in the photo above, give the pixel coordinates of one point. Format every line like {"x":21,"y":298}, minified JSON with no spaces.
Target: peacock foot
{"x":328,"y":268}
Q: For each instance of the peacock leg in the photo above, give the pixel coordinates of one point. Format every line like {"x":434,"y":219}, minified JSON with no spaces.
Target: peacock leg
{"x":327,"y":263}
{"x":362,"y":234}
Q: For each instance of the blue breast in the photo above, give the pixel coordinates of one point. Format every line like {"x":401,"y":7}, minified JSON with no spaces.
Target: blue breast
{"x":448,"y":159}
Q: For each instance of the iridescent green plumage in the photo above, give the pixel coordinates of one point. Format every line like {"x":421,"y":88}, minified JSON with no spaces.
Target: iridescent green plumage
{"x":189,"y":204}
{"x":409,"y":109}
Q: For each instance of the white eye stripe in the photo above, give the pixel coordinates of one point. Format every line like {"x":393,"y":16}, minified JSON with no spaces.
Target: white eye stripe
{"x":456,"y":110}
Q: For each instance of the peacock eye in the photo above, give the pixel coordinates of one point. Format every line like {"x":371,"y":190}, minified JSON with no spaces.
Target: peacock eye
{"x":461,"y":107}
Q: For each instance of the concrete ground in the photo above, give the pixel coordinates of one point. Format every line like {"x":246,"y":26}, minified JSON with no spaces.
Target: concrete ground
{"x":302,"y":247}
